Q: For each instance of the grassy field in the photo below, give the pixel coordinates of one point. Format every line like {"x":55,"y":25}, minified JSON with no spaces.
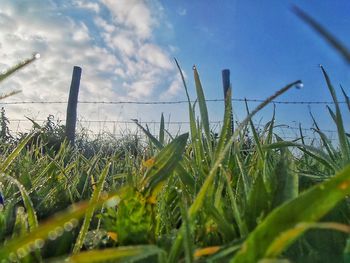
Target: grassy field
{"x":193,"y":198}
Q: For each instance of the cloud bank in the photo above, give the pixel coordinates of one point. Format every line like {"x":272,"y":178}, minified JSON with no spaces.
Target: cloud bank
{"x":113,"y":41}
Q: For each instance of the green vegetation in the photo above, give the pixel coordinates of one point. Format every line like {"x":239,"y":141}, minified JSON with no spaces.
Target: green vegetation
{"x":193,"y":198}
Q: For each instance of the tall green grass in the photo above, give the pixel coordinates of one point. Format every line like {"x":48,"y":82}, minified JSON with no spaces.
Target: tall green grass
{"x":192,"y":198}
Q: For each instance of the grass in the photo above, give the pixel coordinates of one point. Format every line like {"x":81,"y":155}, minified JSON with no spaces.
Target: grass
{"x":193,"y":198}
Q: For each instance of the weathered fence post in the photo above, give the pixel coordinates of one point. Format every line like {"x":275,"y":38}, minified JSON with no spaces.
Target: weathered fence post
{"x":226,"y":85}
{"x":71,"y":118}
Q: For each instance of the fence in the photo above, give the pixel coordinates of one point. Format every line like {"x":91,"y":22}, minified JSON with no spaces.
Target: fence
{"x":173,"y":102}
{"x":118,"y":128}
{"x":71,"y":116}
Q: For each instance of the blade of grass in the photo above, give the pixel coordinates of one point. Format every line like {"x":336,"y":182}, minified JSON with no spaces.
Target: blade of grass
{"x":301,"y":134}
{"x":271,"y":126}
{"x":226,"y":229}
{"x":153,"y":139}
{"x":269,"y":178}
{"x":285,"y":178}
{"x":343,"y":141}
{"x":8,"y":161}
{"x":32,"y":219}
{"x":242,"y":226}
{"x":19,"y":66}
{"x":255,"y":135}
{"x":245,"y":178}
{"x":331,"y":112}
{"x":4,"y":96}
{"x":323,"y":32}
{"x":164,"y":163}
{"x":89,"y":213}
{"x":66,"y":220}
{"x":326,"y":143}
{"x":202,"y":105}
{"x":199,"y":200}
{"x":119,"y":254}
{"x":188,"y":243}
{"x":186,"y":178}
{"x":315,"y":152}
{"x":347,"y":100}
{"x":224,"y":254}
{"x":196,"y":139}
{"x":226,"y":130}
{"x":310,"y":206}
{"x":20,"y":226}
{"x":161,"y":130}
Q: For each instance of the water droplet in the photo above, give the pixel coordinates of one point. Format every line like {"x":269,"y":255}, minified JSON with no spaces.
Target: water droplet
{"x":59,"y":231}
{"x":74,"y":222}
{"x":52,"y":235}
{"x":31,"y":246}
{"x":194,"y":67}
{"x":36,"y":55}
{"x":22,"y":252}
{"x":13,"y":257}
{"x":68,"y":226}
{"x":112,"y":202}
{"x":39,"y":243}
{"x":104,"y":195}
{"x":20,"y":210}
{"x":299,"y":85}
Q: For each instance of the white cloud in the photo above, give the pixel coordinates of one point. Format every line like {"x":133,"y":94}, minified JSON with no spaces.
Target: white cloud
{"x":174,"y":88}
{"x":182,"y":11}
{"x":134,"y":14}
{"x":95,"y":7}
{"x":123,"y":43}
{"x":103,"y":24}
{"x":81,"y":35}
{"x":10,"y":23}
{"x":155,"y":56}
{"x":142,"y":88}
{"x":129,"y":34}
{"x":119,"y":55}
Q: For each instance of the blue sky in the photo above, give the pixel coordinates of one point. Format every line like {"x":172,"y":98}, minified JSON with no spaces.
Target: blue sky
{"x":265,"y":46}
{"x":126,"y":50}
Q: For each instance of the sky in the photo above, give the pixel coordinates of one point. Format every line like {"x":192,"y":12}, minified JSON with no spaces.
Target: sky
{"x":126,"y":50}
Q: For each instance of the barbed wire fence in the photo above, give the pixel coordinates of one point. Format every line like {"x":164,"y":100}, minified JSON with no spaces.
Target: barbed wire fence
{"x":288,"y":132}
{"x":174,"y":102}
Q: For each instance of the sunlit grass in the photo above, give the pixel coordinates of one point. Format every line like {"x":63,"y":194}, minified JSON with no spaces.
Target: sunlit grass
{"x":192,"y":198}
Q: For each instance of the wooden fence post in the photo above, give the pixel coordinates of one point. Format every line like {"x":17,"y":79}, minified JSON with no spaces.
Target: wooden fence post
{"x":226,"y":84}
{"x":71,"y":118}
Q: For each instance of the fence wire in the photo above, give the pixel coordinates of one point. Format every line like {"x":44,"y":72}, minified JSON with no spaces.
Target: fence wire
{"x":173,"y":102}
{"x":167,"y":122}
{"x":282,"y":128}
